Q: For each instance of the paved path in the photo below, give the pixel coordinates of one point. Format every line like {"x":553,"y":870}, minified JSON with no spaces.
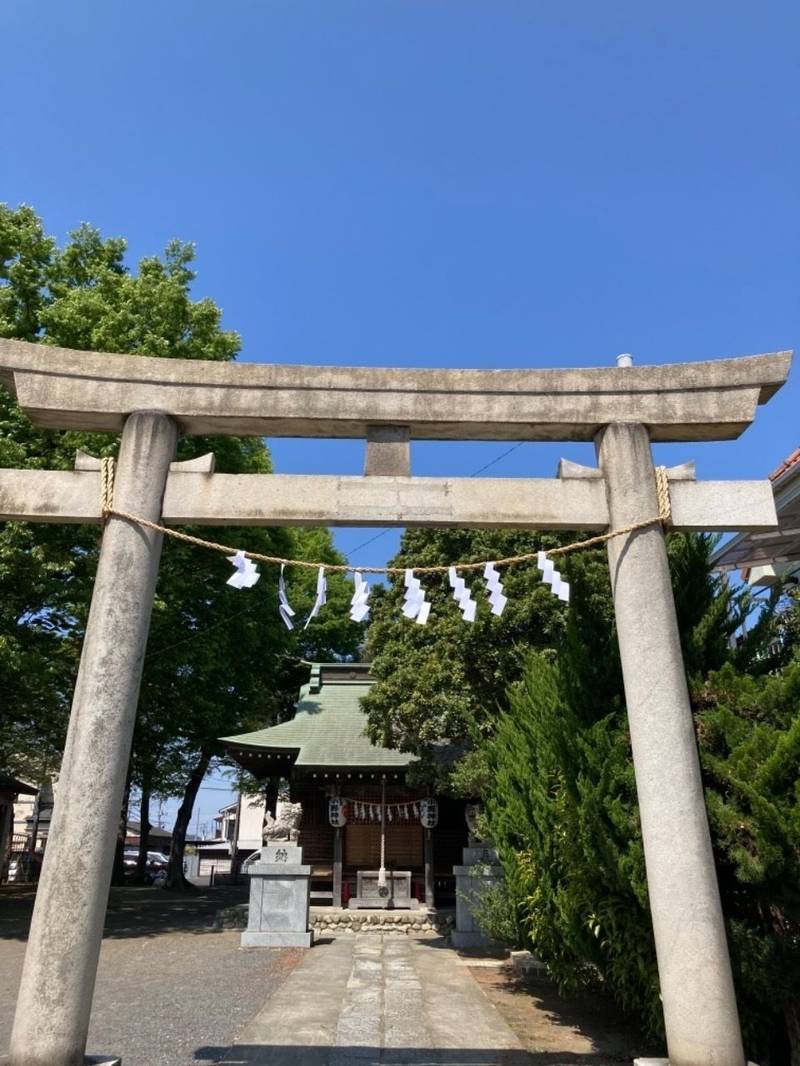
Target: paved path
{"x":372,"y":999}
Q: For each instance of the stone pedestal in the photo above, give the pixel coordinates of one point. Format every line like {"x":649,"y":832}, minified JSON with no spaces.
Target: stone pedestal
{"x":278,"y":916}
{"x":480,"y":871}
{"x":395,"y":893}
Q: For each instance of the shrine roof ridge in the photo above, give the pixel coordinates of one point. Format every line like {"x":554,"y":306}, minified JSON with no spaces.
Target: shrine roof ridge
{"x":64,"y":389}
{"x":327,"y":730}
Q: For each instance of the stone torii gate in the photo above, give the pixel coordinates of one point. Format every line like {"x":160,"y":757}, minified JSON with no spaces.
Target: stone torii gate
{"x":152,"y":401}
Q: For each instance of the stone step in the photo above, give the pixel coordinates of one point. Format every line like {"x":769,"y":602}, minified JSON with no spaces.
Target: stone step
{"x":332,"y":921}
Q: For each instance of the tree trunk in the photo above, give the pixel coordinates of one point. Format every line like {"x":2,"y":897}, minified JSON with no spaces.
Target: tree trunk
{"x":175,"y":876}
{"x":6,"y":834}
{"x":118,"y":876}
{"x":144,"y":836}
{"x":236,"y":838}
{"x":791,"y":1014}
{"x":34,"y":835}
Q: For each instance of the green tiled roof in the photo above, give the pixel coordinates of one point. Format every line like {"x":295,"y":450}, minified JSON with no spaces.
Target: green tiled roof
{"x":328,"y":727}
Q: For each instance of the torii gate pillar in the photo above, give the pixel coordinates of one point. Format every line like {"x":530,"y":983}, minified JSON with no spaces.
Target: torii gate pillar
{"x":700,"y":1016}
{"x":58,"y":976}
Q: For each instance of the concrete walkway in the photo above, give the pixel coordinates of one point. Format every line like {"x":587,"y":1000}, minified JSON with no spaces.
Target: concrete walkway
{"x":369,"y":999}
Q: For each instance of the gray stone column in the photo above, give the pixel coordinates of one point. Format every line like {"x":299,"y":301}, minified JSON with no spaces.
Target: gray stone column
{"x":55,"y":996}
{"x":700,"y":1013}
{"x":338,"y":840}
{"x":427,"y":849}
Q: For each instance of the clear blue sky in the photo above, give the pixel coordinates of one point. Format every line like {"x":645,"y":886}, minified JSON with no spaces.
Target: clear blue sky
{"x":453,"y":183}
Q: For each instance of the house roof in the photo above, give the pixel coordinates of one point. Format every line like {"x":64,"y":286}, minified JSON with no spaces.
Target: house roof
{"x":154,"y":832}
{"x":13,"y":784}
{"x":788,"y":464}
{"x":327,"y":731}
{"x":780,"y":548}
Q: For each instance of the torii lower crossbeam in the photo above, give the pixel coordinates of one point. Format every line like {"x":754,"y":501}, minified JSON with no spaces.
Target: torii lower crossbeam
{"x":307,"y":500}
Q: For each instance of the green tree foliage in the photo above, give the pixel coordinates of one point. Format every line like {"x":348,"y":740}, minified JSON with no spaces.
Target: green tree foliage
{"x":749,"y":731}
{"x":562,"y":806}
{"x":219,"y":660}
{"x":446,"y":681}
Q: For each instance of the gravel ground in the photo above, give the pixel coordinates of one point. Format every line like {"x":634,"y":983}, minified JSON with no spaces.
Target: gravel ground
{"x":170,"y":990}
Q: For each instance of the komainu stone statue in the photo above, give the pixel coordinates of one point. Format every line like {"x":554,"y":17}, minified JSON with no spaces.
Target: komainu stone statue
{"x":472,"y":816}
{"x":286,"y":826}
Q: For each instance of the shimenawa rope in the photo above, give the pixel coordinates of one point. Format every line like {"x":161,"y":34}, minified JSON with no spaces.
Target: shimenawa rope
{"x":107,"y":469}
{"x":107,"y":510}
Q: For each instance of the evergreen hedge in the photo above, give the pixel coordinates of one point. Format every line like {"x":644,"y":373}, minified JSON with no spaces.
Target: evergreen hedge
{"x":561,"y":806}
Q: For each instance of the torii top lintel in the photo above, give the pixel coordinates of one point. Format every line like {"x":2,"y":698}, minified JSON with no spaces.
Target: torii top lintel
{"x":63,"y":389}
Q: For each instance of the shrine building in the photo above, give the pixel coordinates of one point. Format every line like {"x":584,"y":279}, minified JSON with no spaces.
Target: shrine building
{"x":359,"y":813}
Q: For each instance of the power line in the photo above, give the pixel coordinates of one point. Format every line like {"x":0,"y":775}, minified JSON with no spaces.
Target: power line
{"x":480,"y":470}
{"x":206,"y":629}
{"x":497,"y":459}
{"x":371,"y":540}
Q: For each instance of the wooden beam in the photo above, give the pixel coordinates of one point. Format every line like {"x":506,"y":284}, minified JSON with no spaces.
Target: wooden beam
{"x":315,"y":500}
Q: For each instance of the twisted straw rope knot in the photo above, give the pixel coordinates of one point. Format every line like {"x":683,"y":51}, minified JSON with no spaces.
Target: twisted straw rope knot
{"x":662,"y":494}
{"x":107,"y":467}
{"x":107,"y":471}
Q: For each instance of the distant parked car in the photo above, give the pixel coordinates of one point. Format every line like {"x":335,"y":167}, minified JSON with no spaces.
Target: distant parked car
{"x":155,"y":869}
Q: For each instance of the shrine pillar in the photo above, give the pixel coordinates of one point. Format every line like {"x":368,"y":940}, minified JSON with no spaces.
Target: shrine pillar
{"x":58,"y":977}
{"x":430,"y":884}
{"x":700,"y":1015}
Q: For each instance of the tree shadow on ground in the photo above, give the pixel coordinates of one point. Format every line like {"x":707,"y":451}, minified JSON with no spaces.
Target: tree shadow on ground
{"x":590,"y":1027}
{"x":133,"y":911}
{"x":595,"y":1015}
{"x":587,"y":1027}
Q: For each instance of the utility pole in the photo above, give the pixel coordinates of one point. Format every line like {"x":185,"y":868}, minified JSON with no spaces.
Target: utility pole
{"x":236,"y":835}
